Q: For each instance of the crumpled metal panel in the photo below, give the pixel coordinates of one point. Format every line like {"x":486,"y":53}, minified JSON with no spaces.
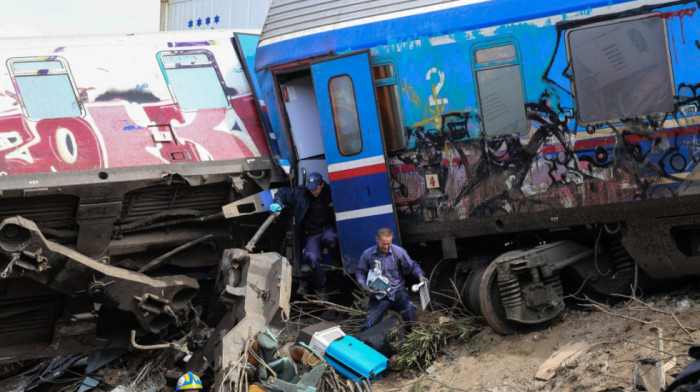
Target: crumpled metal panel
{"x":155,"y":302}
{"x":267,"y":280}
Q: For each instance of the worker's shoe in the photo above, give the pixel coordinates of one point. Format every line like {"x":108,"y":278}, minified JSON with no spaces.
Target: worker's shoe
{"x":323,"y":294}
{"x":303,"y":288}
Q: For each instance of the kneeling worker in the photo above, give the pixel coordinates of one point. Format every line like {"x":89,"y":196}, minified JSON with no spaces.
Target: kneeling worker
{"x":393,"y":260}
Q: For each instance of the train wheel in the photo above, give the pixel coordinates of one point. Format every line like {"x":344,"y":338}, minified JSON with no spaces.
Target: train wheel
{"x":490,"y":301}
{"x":470,"y":290}
{"x":442,"y":293}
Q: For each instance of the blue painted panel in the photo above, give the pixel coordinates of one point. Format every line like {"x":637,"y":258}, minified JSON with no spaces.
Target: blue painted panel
{"x":249,"y":44}
{"x":274,"y":114}
{"x":465,"y":18}
{"x":374,"y":188}
{"x":358,"y":235}
{"x":361,"y":192}
{"x":357,"y":67}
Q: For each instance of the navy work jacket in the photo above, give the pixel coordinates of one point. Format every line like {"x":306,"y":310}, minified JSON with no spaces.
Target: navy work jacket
{"x":298,"y":197}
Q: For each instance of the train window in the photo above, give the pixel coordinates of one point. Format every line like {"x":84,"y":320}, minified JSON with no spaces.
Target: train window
{"x":621,"y":69}
{"x":194,"y":80}
{"x":500,"y":86}
{"x":388,"y":99}
{"x":497,"y":53}
{"x":345,"y":116}
{"x":45,"y":88}
{"x":383,"y":72}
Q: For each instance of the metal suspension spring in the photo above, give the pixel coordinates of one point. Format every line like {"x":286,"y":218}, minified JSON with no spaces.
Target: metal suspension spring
{"x":624,"y":264}
{"x":554,"y":281}
{"x":510,"y":292}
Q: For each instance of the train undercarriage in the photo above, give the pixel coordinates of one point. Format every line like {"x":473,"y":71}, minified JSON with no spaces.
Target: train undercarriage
{"x":160,"y":257}
{"x":523,"y":284}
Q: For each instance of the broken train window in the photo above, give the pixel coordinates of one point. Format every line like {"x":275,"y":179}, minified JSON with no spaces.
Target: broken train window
{"x":500,"y":87}
{"x":194,"y":80}
{"x":621,"y":69}
{"x":387,"y":91}
{"x":45,"y":88}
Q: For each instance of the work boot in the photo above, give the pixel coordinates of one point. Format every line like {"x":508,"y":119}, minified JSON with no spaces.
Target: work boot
{"x":323,"y":294}
{"x":303,"y":287}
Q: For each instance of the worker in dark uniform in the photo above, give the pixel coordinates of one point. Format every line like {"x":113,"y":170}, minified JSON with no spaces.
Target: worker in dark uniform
{"x":314,"y":222}
{"x":393,"y":260}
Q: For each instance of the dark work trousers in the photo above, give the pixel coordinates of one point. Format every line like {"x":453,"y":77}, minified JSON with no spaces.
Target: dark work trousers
{"x":402,"y":303}
{"x":313,"y":252}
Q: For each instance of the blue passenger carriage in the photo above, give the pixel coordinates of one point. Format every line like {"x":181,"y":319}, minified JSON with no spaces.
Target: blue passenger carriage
{"x":567,"y":131}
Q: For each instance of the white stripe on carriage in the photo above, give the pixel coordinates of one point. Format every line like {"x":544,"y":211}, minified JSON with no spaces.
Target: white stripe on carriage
{"x":355,"y":164}
{"x":364,"y":212}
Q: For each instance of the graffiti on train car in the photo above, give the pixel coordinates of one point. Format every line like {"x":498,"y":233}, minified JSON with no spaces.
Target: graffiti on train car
{"x":53,"y":127}
{"x":449,"y":170}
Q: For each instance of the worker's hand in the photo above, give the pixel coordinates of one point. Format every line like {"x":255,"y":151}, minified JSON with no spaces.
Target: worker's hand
{"x":274,"y":207}
{"x":368,"y":290}
{"x":423,"y":279}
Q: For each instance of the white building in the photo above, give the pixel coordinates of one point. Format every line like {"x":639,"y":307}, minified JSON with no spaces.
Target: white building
{"x":213,"y":14}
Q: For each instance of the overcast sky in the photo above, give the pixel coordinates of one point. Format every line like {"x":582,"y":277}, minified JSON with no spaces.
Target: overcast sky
{"x":25,"y":18}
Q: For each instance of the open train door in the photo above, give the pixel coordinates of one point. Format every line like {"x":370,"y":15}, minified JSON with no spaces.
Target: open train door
{"x":352,"y":141}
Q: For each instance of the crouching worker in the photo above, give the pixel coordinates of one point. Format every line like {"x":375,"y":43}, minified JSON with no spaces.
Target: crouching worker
{"x":314,"y":221}
{"x":391,"y":260}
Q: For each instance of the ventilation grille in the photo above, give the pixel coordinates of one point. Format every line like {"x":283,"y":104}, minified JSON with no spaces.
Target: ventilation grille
{"x":27,"y":320}
{"x":146,"y":202}
{"x":56,"y":212}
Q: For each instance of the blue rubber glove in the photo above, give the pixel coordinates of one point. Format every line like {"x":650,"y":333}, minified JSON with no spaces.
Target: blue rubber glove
{"x":274,"y":207}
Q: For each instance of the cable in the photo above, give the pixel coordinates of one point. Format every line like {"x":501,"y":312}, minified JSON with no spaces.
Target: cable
{"x":595,"y":253}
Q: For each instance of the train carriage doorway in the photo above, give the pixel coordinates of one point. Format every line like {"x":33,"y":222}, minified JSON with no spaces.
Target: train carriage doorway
{"x":354,"y":154}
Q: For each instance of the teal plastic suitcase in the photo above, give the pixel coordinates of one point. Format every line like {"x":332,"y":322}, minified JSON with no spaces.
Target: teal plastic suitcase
{"x":356,"y":360}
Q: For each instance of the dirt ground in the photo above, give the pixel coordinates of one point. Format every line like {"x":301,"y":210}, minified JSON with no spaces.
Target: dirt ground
{"x":612,"y":342}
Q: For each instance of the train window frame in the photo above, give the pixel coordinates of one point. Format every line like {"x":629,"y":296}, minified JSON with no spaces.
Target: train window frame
{"x":584,"y":120}
{"x":520,"y":121}
{"x":340,"y":139}
{"x":42,"y":106}
{"x":190,"y":100}
{"x":396,"y":140}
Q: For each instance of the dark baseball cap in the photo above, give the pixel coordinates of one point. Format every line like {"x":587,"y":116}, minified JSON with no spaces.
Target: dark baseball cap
{"x":313,"y":180}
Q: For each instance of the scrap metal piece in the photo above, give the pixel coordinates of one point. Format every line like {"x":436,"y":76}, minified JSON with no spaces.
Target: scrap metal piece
{"x":268,"y":272}
{"x":154,"y":302}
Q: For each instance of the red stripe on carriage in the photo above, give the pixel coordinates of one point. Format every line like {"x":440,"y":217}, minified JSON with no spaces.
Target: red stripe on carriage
{"x":357,"y":172}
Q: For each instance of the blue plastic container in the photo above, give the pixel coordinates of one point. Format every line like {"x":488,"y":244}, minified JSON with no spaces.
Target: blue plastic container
{"x":356,"y":360}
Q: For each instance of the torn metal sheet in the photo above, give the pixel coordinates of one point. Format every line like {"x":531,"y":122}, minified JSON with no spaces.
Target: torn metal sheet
{"x":264,"y":305}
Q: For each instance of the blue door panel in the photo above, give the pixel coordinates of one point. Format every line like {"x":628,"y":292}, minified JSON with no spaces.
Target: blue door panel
{"x":357,"y":192}
{"x":359,"y":235}
{"x":359,"y":183}
{"x":357,"y":67}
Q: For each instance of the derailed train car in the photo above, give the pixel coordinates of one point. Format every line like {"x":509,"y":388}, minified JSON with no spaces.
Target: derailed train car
{"x":118,"y":155}
{"x":565,"y":131}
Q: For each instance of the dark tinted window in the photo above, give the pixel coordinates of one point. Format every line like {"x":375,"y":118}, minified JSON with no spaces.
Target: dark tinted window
{"x":501,"y":97}
{"x":621,"y":70}
{"x":345,"y":116}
